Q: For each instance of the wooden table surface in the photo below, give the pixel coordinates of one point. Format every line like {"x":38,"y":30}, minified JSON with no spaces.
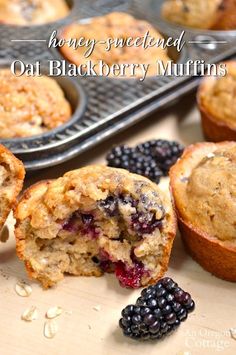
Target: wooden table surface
{"x":84,"y":330}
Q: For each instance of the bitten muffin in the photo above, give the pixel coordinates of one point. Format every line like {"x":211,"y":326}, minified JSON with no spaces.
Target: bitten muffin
{"x":32,"y":12}
{"x":94,"y":220}
{"x":203,"y":184}
{"x":115,"y":26}
{"x":202,"y":14}
{"x":217,"y":103}
{"x":30,"y":105}
{"x":12,"y":175}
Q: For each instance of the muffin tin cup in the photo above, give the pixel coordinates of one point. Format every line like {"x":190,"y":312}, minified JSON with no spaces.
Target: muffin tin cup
{"x":110,"y":104}
{"x":172,"y":53}
{"x":76,"y":97}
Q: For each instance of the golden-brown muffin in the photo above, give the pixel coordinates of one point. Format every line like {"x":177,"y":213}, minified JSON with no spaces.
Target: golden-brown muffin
{"x":202,"y":14}
{"x":203,"y":183}
{"x":217,"y":103}
{"x":227,"y":19}
{"x":93,"y":220}
{"x":114,"y":25}
{"x":12,"y":175}
{"x":30,"y":105}
{"x":32,"y":12}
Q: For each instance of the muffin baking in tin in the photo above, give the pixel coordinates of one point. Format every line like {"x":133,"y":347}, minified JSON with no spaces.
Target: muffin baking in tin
{"x":110,"y":103}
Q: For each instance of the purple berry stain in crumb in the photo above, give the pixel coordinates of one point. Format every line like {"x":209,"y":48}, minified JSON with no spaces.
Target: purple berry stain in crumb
{"x":105,"y":262}
{"x":145,"y":223}
{"x":71,"y":225}
{"x":89,"y":228}
{"x":130,"y":276}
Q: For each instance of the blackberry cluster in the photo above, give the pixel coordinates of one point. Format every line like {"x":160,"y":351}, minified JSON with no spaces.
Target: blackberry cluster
{"x":158,"y":311}
{"x":151,"y":159}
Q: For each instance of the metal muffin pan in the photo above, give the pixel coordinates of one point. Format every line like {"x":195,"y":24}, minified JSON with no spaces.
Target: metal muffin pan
{"x":76,"y":97}
{"x":112,"y":104}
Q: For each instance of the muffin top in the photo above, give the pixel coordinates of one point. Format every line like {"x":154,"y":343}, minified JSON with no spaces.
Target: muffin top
{"x":115,"y":26}
{"x":32,"y":12}
{"x":192,"y":13}
{"x":30,"y":105}
{"x":217,"y":96}
{"x":209,"y":195}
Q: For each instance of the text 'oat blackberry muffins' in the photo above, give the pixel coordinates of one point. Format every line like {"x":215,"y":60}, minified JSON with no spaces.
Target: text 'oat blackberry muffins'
{"x":94,"y":220}
{"x":217,"y":104}
{"x":115,"y":25}
{"x":30,"y":105}
{"x":203,"y":184}
{"x":12,"y":175}
{"x":201,"y":14}
{"x":32,"y":12}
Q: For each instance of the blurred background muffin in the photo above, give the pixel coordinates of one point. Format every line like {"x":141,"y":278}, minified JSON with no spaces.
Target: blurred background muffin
{"x":30,"y":105}
{"x":217,"y":104}
{"x":32,"y":12}
{"x":201,"y":14}
{"x":114,"y":25}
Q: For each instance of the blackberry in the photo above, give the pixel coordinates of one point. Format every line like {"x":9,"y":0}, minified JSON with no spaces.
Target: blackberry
{"x":134,"y":161}
{"x":164,"y":152}
{"x":158,"y":311}
{"x":151,"y":159}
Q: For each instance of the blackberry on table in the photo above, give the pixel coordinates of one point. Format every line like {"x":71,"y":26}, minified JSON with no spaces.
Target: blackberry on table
{"x":134,"y":161}
{"x":158,"y":311}
{"x":151,"y":159}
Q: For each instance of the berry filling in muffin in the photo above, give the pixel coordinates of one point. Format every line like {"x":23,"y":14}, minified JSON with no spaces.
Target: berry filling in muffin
{"x":132,"y":218}
{"x":90,"y":222}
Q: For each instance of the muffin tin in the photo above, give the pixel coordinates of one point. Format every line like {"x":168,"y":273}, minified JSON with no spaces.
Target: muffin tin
{"x":111,"y":104}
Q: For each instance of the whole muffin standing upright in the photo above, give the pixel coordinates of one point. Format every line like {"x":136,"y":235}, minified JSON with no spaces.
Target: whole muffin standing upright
{"x":94,"y":220}
{"x":115,"y":25}
{"x":201,"y":14}
{"x":30,"y":105}
{"x":32,"y":12}
{"x":12,"y":175}
{"x":217,"y":104}
{"x":203,"y":184}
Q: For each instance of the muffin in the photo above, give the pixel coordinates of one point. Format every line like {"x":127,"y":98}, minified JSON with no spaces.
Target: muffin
{"x":32,"y":12}
{"x":30,"y":105}
{"x":203,"y":184}
{"x":93,"y":220}
{"x":201,"y":14}
{"x":217,"y":103}
{"x":12,"y":175}
{"x":114,"y":25}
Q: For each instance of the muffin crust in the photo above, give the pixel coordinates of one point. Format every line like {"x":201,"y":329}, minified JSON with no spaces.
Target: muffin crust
{"x":12,"y":175}
{"x":114,"y":25}
{"x":204,"y":190}
{"x":217,"y":103}
{"x":201,"y":14}
{"x":30,"y":105}
{"x":32,"y":12}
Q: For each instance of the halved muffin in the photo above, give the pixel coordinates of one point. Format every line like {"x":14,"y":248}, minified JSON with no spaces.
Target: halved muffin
{"x":203,"y":183}
{"x":94,"y":220}
{"x":12,"y":175}
{"x":217,"y":103}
